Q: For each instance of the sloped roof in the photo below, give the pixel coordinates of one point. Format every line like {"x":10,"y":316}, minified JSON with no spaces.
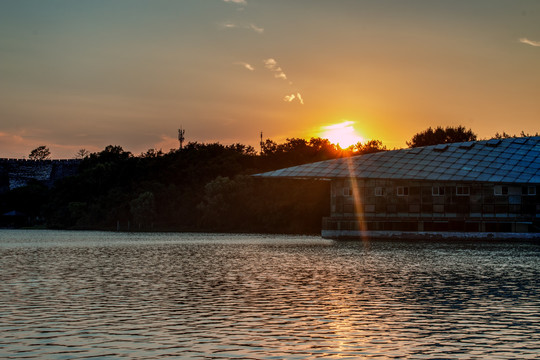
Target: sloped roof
{"x":511,"y":160}
{"x":14,"y":213}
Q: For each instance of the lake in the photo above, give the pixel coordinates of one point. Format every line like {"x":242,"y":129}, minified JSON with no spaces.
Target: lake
{"x":99,"y":295}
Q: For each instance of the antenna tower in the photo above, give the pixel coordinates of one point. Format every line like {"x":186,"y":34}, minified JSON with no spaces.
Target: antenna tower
{"x":261,"y":143}
{"x":181,"y":137}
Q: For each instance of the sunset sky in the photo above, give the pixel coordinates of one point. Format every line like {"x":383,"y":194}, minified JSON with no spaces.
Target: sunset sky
{"x":86,"y":74}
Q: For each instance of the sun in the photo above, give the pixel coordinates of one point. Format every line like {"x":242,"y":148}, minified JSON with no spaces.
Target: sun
{"x":342,"y":134}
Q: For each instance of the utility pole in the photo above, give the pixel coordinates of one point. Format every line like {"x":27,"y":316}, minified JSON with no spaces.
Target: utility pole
{"x":181,"y":137}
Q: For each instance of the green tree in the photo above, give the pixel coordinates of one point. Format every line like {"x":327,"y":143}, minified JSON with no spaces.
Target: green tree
{"x":226,"y":202}
{"x":441,"y":136}
{"x":143,"y":208}
{"x":244,"y":203}
{"x":40,"y":153}
{"x":170,"y":189}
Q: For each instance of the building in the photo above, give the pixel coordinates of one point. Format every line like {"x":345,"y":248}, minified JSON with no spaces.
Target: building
{"x":15,"y":173}
{"x":470,"y":189}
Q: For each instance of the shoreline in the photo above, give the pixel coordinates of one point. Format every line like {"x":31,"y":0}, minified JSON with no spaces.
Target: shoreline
{"x":425,"y":235}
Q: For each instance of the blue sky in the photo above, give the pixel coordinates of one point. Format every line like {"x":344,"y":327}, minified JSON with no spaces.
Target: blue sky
{"x":86,"y":74}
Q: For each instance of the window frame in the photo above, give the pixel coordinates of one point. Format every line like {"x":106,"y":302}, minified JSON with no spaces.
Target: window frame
{"x":461,"y":192}
{"x":402,"y":191}
{"x":500,"y":190}
{"x":438,"y":192}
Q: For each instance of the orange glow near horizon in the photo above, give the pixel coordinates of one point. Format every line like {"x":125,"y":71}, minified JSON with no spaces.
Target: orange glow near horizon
{"x":225,"y":70}
{"x":342,"y":134}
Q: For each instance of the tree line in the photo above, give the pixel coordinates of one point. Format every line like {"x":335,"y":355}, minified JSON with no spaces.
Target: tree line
{"x":201,"y":187}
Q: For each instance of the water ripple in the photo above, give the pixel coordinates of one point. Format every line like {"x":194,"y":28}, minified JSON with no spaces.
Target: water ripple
{"x":112,"y":296}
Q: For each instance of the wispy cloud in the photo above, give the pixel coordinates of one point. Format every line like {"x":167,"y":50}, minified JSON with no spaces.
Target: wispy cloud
{"x":241,"y":2}
{"x":271,"y":64}
{"x":245,"y":65}
{"x":292,"y":97}
{"x":229,"y":25}
{"x":347,"y":124}
{"x":529,"y":42}
{"x":289,"y":98}
{"x":11,"y":137}
{"x":253,"y":27}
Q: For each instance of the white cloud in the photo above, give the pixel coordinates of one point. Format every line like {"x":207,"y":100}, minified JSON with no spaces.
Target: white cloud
{"x":230,"y":26}
{"x":241,"y":2}
{"x":300,"y":98}
{"x":245,"y":65}
{"x":271,"y":64}
{"x":344,"y":125}
{"x":529,"y":42}
{"x":289,"y":98}
{"x":255,"y":28}
{"x":292,"y":97}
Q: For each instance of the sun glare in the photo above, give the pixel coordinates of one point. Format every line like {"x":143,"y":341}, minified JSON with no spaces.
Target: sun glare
{"x":343,"y":134}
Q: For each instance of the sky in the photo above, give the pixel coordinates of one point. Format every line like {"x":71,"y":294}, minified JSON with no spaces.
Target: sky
{"x":87,"y":74}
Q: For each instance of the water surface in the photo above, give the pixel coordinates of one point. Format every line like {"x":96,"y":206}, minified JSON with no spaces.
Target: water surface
{"x":67,"y":295}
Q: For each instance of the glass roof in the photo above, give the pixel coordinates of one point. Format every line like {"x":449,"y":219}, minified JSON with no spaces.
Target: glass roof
{"x":511,"y":160}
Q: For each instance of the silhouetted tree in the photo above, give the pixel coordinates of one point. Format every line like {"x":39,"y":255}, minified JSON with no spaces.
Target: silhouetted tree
{"x":82,"y":153}
{"x":143,"y":208}
{"x":242,"y":149}
{"x":171,"y":189}
{"x":321,"y":144}
{"x":269,"y":147}
{"x":152,"y":153}
{"x":40,"y":153}
{"x":244,"y":203}
{"x":505,"y":135}
{"x":296,"y":151}
{"x":111,"y":154}
{"x":441,"y":136}
{"x":28,"y":199}
{"x":221,"y":207}
{"x":371,"y":146}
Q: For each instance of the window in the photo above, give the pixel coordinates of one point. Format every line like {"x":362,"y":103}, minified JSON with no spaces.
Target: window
{"x":347,"y":191}
{"x":437,"y":190}
{"x":500,"y":190}
{"x":380,"y":191}
{"x":528,"y":190}
{"x":402,"y":191}
{"x":463,"y":191}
